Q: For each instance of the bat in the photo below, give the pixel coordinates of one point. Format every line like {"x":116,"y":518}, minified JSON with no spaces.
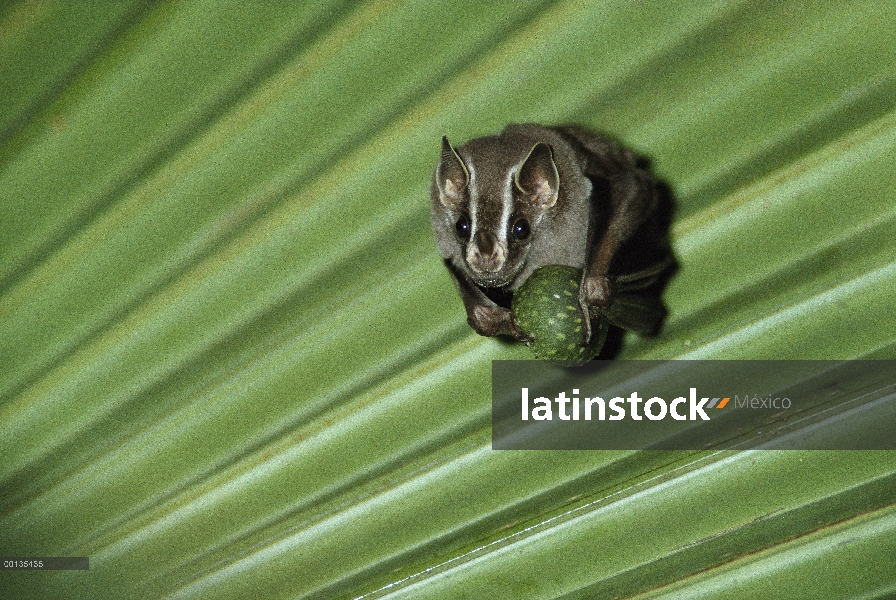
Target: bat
{"x":504,"y":205}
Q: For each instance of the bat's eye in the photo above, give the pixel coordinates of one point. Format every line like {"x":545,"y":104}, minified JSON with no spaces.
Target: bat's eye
{"x":463,"y":228}
{"x":521,"y":229}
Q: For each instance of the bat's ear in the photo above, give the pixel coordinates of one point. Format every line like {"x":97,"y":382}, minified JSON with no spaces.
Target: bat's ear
{"x":537,"y":176}
{"x":451,"y":176}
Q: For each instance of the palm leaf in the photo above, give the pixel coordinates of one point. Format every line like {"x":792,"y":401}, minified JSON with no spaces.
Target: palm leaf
{"x":232,"y":364}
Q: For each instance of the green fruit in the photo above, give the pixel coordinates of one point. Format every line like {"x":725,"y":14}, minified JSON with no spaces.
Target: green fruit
{"x":546,"y":307}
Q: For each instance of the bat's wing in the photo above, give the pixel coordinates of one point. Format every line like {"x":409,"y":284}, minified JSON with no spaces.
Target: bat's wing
{"x":636,"y":305}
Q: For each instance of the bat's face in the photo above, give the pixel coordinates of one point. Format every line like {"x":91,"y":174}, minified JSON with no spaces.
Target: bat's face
{"x":488,"y":200}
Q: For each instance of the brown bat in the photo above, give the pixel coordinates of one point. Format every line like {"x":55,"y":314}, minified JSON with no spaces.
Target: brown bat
{"x":504,"y":205}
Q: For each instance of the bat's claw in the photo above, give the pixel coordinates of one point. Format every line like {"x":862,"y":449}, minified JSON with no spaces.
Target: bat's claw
{"x":519,"y":334}
{"x":586,"y":321}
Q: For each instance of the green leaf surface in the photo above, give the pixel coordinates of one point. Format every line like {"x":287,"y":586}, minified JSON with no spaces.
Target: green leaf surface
{"x":232,"y":364}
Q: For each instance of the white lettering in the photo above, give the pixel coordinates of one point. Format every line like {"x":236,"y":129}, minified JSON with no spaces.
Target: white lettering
{"x":542,"y":413}
{"x":525,"y":404}
{"x":633,"y":400}
{"x":614,"y":406}
{"x":697,"y":408}
{"x":674,"y":413}
{"x":601,"y":408}
{"x":649,"y":414}
{"x":562,"y":401}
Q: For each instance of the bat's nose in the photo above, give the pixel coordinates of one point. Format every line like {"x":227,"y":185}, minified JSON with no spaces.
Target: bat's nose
{"x":485,"y":253}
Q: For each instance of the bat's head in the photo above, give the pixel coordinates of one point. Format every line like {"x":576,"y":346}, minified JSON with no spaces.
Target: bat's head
{"x":489,"y":197}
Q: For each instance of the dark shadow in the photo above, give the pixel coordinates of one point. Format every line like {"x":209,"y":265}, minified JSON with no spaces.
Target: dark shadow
{"x":641,"y":270}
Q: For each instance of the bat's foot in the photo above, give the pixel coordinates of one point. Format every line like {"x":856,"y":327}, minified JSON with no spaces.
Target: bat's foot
{"x":595,"y":293}
{"x":491,"y":321}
